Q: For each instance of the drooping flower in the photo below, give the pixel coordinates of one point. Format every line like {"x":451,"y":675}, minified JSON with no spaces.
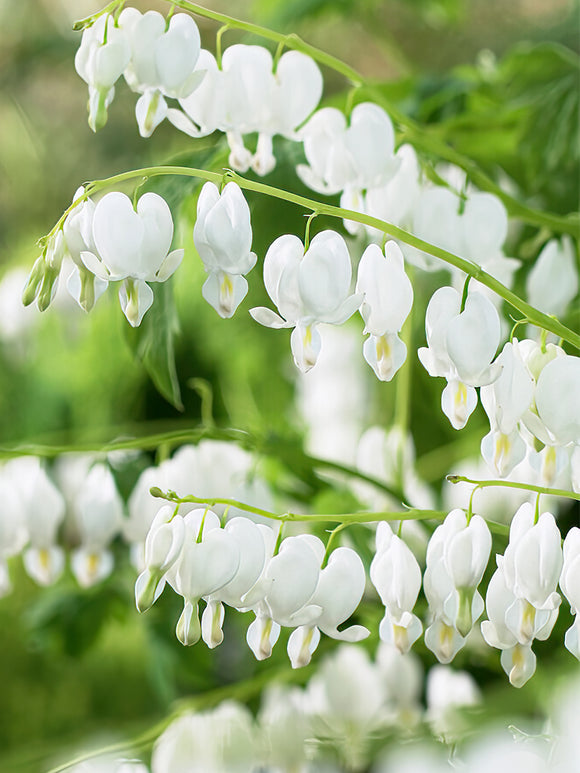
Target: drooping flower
{"x":82,"y":284}
{"x":522,"y":602}
{"x":208,"y":560}
{"x":457,"y":556}
{"x":284,"y":593}
{"x":338,"y":593}
{"x":388,"y":297}
{"x":223,"y":238}
{"x":308,"y":287}
{"x":103,"y":55}
{"x":163,"y":547}
{"x":461,"y":346}
{"x":44,"y":509}
{"x":245,"y":96}
{"x":505,"y":402}
{"x":553,"y":281}
{"x":133,"y":246}
{"x":163,"y":62}
{"x":98,"y":513}
{"x":396,"y":575}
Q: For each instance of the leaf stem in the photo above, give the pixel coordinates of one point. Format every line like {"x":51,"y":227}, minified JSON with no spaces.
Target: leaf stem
{"x":410,"y":514}
{"x":535,"y":316}
{"x":553,"y":492}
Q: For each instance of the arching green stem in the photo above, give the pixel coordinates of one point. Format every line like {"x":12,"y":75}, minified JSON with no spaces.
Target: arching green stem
{"x":535,"y":316}
{"x":553,"y":492}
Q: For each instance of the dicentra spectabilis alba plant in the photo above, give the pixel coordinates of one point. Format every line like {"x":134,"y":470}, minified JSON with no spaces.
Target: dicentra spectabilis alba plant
{"x":204,"y":543}
{"x":223,"y":238}
{"x":308,"y":286}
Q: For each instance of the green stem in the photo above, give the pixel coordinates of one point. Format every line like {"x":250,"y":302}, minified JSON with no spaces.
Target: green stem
{"x":417,"y":135}
{"x":553,"y":492}
{"x":535,"y":316}
{"x":195,"y":435}
{"x":411,"y":514}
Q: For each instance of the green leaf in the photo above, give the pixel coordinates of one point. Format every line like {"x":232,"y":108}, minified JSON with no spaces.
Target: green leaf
{"x":153,"y":344}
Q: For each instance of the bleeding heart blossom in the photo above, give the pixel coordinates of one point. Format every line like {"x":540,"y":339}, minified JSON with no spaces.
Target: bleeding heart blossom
{"x":163,"y":62}
{"x":103,"y":55}
{"x":98,"y":511}
{"x":461,"y":346}
{"x":246,"y":96}
{"x":223,"y":238}
{"x":308,"y":287}
{"x":388,"y":297}
{"x":339,"y":590}
{"x":396,"y":575}
{"x":133,"y":246}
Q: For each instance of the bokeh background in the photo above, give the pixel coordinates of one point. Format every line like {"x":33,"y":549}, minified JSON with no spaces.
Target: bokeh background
{"x":498,"y":80}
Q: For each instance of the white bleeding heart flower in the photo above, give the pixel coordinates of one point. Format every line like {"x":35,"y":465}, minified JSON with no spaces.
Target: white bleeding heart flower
{"x":350,"y":158}
{"x":98,"y":511}
{"x":133,"y":246}
{"x":461,"y":346}
{"x":255,"y":543}
{"x":457,"y":556}
{"x":208,"y":560}
{"x":338,"y":593}
{"x":283,"y":594}
{"x":388,"y":298}
{"x":308,"y":288}
{"x":82,"y":284}
{"x":557,"y":401}
{"x":517,"y":660}
{"x":103,"y":55}
{"x":163,"y":62}
{"x":552,"y":283}
{"x":570,"y":585}
{"x":505,"y":402}
{"x":223,"y":238}
{"x":396,"y":199}
{"x":44,"y":509}
{"x":163,"y":547}
{"x":396,"y":575}
{"x":246,"y":96}
{"x":522,"y":602}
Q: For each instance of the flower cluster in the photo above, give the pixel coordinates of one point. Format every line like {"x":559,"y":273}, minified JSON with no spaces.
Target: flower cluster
{"x":241,"y":565}
{"x":341,"y":720}
{"x":83,"y":513}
